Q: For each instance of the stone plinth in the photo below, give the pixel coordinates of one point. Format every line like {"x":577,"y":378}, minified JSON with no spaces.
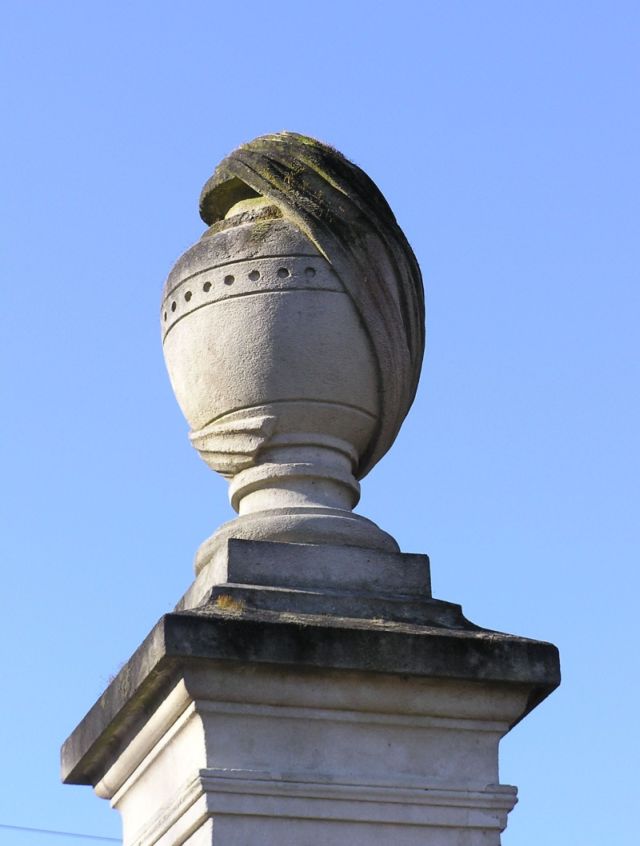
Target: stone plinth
{"x":246,"y":720}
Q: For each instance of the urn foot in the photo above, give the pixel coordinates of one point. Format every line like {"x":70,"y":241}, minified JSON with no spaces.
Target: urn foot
{"x":299,"y":525}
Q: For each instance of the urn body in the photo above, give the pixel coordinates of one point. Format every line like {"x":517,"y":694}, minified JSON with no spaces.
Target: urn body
{"x":274,"y":371}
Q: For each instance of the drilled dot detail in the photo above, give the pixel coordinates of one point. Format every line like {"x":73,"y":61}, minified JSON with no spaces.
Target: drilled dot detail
{"x":309,"y":272}
{"x":229,"y":279}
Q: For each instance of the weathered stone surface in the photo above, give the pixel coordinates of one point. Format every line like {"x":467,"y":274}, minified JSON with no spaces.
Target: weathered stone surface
{"x":317,"y":579}
{"x":215,"y":634}
{"x":231,"y":726}
{"x":321,"y":567}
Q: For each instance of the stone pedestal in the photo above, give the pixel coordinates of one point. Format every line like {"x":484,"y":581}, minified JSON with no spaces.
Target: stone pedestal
{"x":307,"y":690}
{"x":311,"y":695}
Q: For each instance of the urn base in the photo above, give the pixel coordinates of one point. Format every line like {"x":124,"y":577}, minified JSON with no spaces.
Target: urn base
{"x":310,"y":525}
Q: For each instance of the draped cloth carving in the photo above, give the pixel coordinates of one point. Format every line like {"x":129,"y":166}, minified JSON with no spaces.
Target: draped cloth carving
{"x":342,"y":212}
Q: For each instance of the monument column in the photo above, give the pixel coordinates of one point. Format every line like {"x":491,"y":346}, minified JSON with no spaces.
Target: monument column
{"x":307,"y":688}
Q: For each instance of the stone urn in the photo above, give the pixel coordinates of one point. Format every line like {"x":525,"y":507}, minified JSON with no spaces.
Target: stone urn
{"x":293,"y":333}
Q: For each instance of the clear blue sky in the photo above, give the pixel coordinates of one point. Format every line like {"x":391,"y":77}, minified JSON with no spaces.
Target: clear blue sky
{"x":506,"y":138}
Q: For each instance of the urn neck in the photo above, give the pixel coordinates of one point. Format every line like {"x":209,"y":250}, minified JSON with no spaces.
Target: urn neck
{"x":298,"y":471}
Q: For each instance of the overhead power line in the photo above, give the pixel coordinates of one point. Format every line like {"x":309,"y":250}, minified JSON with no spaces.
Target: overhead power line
{"x":60,"y":833}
